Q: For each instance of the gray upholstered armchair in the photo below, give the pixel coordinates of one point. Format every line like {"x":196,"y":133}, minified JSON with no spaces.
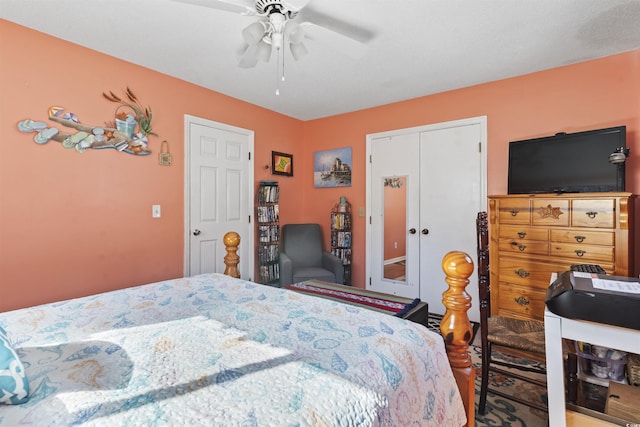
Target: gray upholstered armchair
{"x":302,"y":257}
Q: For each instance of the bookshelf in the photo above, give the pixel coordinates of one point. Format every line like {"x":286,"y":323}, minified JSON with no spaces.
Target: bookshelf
{"x":268,"y":223}
{"x":341,"y":236}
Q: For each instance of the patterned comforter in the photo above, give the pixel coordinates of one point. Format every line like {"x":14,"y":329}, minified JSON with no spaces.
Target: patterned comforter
{"x":217,"y":351}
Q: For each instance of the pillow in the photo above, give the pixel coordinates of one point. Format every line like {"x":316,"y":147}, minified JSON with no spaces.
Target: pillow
{"x":14,"y":387}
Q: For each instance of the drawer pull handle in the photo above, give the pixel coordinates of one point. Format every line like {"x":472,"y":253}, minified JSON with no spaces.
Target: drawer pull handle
{"x":513,"y":212}
{"x":522,"y":272}
{"x":580,"y":252}
{"x":580,"y":239}
{"x":521,"y":234}
{"x":521,"y":247}
{"x":521,"y":301}
{"x":591,"y":214}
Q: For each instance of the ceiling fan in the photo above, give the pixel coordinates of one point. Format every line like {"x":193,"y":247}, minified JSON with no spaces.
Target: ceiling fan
{"x":286,"y":24}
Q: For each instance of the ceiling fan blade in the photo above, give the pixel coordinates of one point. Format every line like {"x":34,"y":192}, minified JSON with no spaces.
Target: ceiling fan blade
{"x":339,"y":42}
{"x":336,"y":25}
{"x":295,"y":5}
{"x":249,"y":57}
{"x":243,"y":7}
{"x":298,"y":51}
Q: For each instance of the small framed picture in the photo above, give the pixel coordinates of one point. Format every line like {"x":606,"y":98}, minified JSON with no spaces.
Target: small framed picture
{"x":281,"y":164}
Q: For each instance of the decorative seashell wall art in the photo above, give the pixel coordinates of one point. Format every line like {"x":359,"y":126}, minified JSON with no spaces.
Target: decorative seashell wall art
{"x":128,"y":132}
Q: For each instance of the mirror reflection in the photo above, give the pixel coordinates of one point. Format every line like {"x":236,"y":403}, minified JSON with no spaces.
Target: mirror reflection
{"x":395,"y":226}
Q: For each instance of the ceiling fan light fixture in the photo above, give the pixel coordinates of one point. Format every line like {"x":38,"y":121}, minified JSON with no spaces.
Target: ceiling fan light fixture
{"x":278,"y":22}
{"x":294,"y":33}
{"x":276,"y":40}
{"x":298,"y":50}
{"x":249,"y":57}
{"x":254,"y":33}
{"x":263,"y":51}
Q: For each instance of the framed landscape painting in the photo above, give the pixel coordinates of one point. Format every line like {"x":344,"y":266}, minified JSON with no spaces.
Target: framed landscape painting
{"x":332,"y":168}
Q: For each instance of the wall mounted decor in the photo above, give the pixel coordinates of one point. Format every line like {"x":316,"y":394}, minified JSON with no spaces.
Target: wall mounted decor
{"x":332,"y":168}
{"x":130,"y":110}
{"x":281,"y":164}
{"x":119,"y":134}
{"x":164,"y":158}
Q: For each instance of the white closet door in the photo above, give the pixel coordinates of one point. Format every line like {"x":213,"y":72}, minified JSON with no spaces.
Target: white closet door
{"x":395,"y":157}
{"x":450,"y":198}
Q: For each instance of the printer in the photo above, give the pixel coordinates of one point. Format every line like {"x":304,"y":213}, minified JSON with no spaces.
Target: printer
{"x":613,"y":300}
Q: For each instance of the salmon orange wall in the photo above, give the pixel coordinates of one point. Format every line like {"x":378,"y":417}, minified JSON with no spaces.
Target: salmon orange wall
{"x":589,"y":95}
{"x":75,"y":224}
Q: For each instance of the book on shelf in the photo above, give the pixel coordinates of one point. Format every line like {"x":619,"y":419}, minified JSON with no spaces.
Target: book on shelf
{"x":268,"y":193}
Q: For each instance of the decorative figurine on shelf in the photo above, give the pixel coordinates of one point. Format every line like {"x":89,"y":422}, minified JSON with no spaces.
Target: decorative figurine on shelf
{"x":343,"y":204}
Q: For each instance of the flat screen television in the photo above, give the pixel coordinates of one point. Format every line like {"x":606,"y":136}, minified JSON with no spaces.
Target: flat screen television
{"x":567,"y":163}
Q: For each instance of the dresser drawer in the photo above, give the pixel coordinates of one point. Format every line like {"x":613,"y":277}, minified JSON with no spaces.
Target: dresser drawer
{"x":521,"y":301}
{"x":514,"y":211}
{"x":593,"y":213}
{"x":523,"y":233}
{"x":529,"y":273}
{"x":523,"y":247}
{"x":550,"y":212}
{"x":583,"y":237}
{"x":583,"y":254}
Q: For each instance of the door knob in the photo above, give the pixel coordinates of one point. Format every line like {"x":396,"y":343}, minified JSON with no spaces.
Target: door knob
{"x":425,"y":231}
{"x":196,"y":232}
{"x":412,"y":231}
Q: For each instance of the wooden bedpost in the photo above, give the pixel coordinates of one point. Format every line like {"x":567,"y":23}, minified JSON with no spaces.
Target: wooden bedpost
{"x":456,"y":328}
{"x":231,"y":242}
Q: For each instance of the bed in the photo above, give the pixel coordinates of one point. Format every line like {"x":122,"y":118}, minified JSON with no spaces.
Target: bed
{"x":217,"y":350}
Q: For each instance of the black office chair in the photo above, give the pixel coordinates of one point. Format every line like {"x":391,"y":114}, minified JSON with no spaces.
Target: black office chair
{"x":505,"y":333}
{"x":302,"y":257}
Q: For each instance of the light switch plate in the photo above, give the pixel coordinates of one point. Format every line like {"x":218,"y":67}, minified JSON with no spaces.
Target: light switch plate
{"x":155,"y":211}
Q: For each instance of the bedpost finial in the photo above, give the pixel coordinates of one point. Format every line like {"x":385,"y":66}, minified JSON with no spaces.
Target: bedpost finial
{"x":231,"y":242}
{"x":457,"y":264}
{"x":455,"y":326}
{"x":231,"y":239}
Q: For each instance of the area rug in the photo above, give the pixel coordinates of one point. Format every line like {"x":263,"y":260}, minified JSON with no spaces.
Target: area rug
{"x":389,"y":304}
{"x":504,"y":412}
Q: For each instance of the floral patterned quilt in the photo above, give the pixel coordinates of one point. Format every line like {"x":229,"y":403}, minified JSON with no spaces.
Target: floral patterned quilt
{"x":217,"y":351}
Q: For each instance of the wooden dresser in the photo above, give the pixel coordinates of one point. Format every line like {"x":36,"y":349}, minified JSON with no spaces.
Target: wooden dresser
{"x":532,"y":236}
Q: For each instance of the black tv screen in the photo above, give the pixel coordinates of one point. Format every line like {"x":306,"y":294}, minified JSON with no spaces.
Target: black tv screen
{"x":567,"y":163}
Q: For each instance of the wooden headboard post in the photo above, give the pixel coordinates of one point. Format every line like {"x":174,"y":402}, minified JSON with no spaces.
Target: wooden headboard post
{"x":456,"y":328}
{"x":231,"y":242}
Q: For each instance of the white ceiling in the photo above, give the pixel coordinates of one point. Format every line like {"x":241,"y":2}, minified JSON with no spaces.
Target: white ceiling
{"x":418,"y":47}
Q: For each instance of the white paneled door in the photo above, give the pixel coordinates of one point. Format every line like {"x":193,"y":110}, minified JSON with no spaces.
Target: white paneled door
{"x":218,"y":195}
{"x":440,"y":171}
{"x":395,"y":157}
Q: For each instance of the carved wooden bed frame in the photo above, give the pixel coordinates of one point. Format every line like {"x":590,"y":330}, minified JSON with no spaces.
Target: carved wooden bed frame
{"x":454,"y":326}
